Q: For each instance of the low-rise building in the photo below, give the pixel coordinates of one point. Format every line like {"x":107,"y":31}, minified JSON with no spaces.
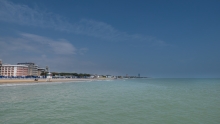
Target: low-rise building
{"x":109,"y":76}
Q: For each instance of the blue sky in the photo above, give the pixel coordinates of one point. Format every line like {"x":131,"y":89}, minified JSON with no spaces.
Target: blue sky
{"x":158,"y":38}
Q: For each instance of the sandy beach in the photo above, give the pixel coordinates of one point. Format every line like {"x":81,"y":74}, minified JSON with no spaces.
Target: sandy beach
{"x":15,"y":81}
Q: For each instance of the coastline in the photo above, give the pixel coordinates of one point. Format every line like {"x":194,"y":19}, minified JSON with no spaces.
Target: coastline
{"x":21,"y":81}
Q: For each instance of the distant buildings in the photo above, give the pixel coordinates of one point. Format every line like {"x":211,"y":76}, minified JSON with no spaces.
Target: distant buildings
{"x":109,"y":76}
{"x":32,"y":68}
{"x":21,"y":69}
{"x":0,"y":66}
{"x":14,"y":70}
{"x":40,"y":70}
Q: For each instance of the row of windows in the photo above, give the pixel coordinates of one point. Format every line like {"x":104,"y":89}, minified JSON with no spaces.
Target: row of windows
{"x":17,"y":70}
{"x":7,"y":68}
{"x":13,"y":68}
{"x":12,"y":73}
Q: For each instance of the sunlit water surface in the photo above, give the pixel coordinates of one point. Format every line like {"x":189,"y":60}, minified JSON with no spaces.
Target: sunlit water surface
{"x":131,"y":101}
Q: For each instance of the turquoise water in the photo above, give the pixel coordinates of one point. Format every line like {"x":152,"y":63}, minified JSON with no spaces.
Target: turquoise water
{"x":132,"y":101}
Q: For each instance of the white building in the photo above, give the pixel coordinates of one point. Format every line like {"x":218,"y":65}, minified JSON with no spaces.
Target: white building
{"x":14,"y":70}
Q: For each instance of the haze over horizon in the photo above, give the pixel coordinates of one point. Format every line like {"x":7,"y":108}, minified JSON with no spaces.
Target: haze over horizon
{"x":173,"y":39}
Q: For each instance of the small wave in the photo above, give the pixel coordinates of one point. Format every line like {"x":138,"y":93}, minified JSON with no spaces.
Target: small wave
{"x":20,"y":84}
{"x":39,"y":83}
{"x":109,"y":80}
{"x":27,"y":84}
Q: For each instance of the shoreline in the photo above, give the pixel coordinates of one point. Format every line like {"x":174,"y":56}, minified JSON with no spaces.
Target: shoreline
{"x":21,"y":81}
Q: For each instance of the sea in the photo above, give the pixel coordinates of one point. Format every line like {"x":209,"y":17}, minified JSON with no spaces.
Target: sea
{"x":120,"y":101}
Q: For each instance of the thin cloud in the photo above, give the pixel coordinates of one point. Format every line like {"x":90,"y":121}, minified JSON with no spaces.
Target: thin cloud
{"x":60,"y":46}
{"x":31,"y":43}
{"x":58,"y":54}
{"x":82,"y":51}
{"x":24,"y":15}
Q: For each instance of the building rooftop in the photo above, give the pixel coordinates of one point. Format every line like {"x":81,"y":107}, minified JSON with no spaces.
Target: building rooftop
{"x":15,"y":65}
{"x":26,"y":63}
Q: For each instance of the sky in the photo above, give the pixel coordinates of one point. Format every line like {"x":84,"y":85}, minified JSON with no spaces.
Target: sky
{"x":153,"y":38}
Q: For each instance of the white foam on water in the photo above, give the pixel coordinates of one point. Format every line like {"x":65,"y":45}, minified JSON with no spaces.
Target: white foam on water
{"x":39,"y":83}
{"x":28,"y":84}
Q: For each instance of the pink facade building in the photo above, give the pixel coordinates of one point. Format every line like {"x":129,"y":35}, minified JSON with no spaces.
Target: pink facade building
{"x":14,"y":70}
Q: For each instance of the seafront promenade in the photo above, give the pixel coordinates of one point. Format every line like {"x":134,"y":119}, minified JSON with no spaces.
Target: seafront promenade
{"x":32,"y":80}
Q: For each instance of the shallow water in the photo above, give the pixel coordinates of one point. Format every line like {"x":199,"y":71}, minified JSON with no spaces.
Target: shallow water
{"x":132,"y":101}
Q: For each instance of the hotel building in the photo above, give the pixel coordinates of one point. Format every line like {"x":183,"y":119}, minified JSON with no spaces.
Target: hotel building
{"x":0,"y":66}
{"x":32,"y":68}
{"x":14,"y":70}
{"x":21,"y":69}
